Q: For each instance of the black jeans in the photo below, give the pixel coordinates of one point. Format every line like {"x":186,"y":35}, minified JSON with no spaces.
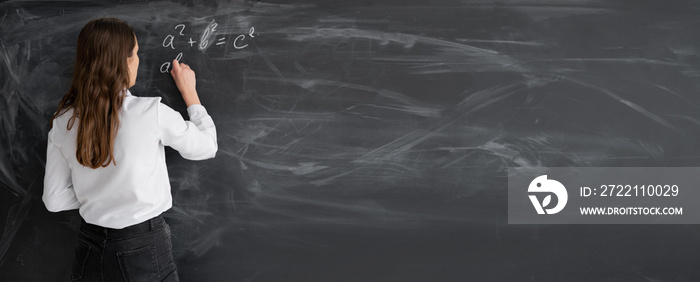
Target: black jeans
{"x":141,"y":252}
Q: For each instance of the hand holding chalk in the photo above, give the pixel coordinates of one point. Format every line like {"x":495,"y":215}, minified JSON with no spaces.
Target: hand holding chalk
{"x":186,"y":82}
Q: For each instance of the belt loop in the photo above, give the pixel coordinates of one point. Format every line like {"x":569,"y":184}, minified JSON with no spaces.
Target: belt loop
{"x":152,"y":224}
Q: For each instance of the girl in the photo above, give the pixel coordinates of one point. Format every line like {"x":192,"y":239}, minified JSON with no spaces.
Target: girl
{"x":105,"y":157}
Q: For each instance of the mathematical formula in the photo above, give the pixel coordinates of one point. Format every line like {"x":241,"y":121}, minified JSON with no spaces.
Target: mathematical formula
{"x":205,"y":41}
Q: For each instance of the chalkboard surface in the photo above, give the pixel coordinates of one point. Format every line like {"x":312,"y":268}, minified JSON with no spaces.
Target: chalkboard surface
{"x":370,"y":140}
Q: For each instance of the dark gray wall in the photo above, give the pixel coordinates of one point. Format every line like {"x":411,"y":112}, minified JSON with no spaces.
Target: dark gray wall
{"x":370,"y":140}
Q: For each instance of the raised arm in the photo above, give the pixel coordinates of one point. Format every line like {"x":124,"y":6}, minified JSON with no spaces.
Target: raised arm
{"x":194,"y":139}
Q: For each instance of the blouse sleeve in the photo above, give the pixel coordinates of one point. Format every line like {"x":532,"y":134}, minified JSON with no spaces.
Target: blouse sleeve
{"x":58,"y":185}
{"x":194,"y":139}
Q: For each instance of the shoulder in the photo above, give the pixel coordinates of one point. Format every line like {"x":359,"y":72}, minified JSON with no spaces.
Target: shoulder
{"x":139,"y":113}
{"x":148,"y":111}
{"x":141,"y":103}
{"x":145,"y":105}
{"x":59,"y":126}
{"x":61,"y":121}
{"x":64,"y":117}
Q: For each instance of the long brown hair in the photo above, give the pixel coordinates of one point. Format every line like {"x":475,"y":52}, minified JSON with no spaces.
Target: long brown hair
{"x":97,"y":92}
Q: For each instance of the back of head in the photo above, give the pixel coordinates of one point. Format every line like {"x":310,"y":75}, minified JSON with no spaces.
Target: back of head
{"x":97,"y":91}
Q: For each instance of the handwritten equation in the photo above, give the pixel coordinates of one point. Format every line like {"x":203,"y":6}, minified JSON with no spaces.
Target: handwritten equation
{"x":207,"y":38}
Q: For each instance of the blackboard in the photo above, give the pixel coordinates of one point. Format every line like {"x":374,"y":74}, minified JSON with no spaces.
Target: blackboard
{"x":370,"y":140}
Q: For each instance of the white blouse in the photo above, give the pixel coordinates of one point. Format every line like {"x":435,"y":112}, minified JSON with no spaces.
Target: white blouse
{"x":137,"y":188}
